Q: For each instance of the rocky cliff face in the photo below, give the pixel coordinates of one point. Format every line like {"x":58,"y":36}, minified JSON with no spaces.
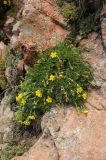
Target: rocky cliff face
{"x":67,"y":135}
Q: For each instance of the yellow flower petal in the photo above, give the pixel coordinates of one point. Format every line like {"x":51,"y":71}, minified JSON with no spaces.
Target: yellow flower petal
{"x":49,"y":100}
{"x":27,"y":123}
{"x":53,"y":54}
{"x":38,"y":93}
{"x":79,"y":90}
{"x":84,"y":95}
{"x":5,"y":2}
{"x":21,"y":84}
{"x":19,"y":96}
{"x":31,"y":117}
{"x":52,"y":77}
{"x":23,"y":102}
{"x":85,"y":111}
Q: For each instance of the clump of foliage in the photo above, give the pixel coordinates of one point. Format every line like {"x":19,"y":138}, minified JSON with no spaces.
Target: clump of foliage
{"x":13,"y":57}
{"x":12,"y":149}
{"x":90,"y":23}
{"x":60,"y":77}
{"x":59,"y":2}
{"x":2,"y":75}
{"x":19,"y":141}
{"x":82,"y":15}
{"x":70,"y":11}
{"x":12,"y":12}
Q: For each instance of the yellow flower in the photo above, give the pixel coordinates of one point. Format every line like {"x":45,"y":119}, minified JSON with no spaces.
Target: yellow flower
{"x":53,"y":54}
{"x":49,"y":100}
{"x":31,"y":117}
{"x":85,"y":111}
{"x":27,"y":123}
{"x":19,"y":97}
{"x":23,"y":102}
{"x":4,"y":2}
{"x":84,"y":95}
{"x":21,"y":84}
{"x":52,"y":77}
{"x":79,"y":90}
{"x":38,"y":93}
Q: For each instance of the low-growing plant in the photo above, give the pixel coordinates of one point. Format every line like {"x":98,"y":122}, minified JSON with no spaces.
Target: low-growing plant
{"x":60,"y":2}
{"x":70,"y":11}
{"x":2,"y":75}
{"x":12,"y":58}
{"x":12,"y":12}
{"x":19,"y":141}
{"x":90,"y":23}
{"x":60,"y":77}
{"x":12,"y":150}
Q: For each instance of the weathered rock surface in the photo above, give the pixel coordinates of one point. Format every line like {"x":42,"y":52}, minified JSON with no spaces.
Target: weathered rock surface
{"x":44,"y":149}
{"x":8,"y":26}
{"x":77,"y":136}
{"x":19,"y":3}
{"x":96,"y":56}
{"x":3,"y":50}
{"x":6,"y":116}
{"x":103,"y":25}
{"x":40,"y":26}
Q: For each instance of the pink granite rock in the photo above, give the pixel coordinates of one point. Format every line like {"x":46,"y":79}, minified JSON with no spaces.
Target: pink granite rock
{"x":3,"y":50}
{"x":44,"y":149}
{"x":41,"y":25}
{"x":74,"y":136}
